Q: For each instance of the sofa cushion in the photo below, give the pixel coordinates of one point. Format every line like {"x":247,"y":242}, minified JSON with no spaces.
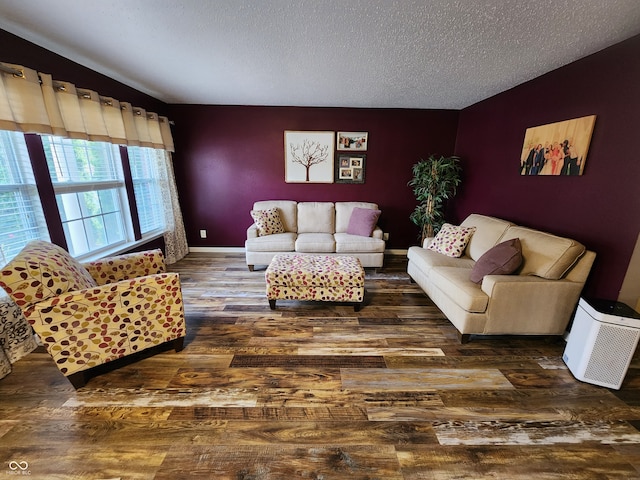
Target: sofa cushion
{"x":267,"y":221}
{"x":545,"y":255}
{"x":343,"y":213}
{"x":346,"y":243}
{"x":363,"y":221}
{"x":503,"y":259}
{"x":454,"y":282}
{"x":451,"y":240}
{"x":288,"y":210}
{"x":316,"y":217}
{"x":315,"y":243}
{"x":488,"y":231}
{"x":427,"y":259}
{"x":279,"y":242}
{"x":40,"y":271}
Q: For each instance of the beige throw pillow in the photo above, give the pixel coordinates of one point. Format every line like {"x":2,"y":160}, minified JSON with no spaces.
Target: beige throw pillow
{"x":267,"y":221}
{"x":451,"y":240}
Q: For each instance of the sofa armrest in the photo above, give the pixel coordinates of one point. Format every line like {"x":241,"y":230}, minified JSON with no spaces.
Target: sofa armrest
{"x":123,"y":267}
{"x":526,"y":304}
{"x":427,"y":241}
{"x":252,"y":231}
{"x":378,"y":233}
{"x":85,"y":328}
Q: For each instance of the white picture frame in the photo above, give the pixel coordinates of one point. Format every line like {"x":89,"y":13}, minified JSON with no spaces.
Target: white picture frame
{"x":309,"y":156}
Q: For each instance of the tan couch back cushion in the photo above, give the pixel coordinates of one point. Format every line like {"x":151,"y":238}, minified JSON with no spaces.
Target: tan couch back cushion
{"x":343,"y":213}
{"x":288,"y":212}
{"x":316,"y":217}
{"x":488,"y":231}
{"x":545,"y":255}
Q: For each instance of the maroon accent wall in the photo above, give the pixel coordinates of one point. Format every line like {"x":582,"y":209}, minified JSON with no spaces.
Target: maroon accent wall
{"x":228,"y":157}
{"x":601,"y":208}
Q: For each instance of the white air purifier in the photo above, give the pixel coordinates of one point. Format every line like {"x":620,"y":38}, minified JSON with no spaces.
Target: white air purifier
{"x":602,"y":341}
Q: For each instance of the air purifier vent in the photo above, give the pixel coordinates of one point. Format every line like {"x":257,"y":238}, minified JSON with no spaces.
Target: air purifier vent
{"x":612,"y":351}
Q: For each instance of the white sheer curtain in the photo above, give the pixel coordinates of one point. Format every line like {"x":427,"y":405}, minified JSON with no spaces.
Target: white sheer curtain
{"x":34,"y":102}
{"x":175,"y":238}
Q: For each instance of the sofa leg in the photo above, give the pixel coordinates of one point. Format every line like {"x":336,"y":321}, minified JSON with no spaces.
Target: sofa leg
{"x":250,"y":268}
{"x":464,"y":337}
{"x":78,"y":379}
{"x":272,"y":304}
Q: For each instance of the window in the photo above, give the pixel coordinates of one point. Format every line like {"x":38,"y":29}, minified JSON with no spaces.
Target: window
{"x":91,"y":193}
{"x":145,"y":172}
{"x":89,"y":185}
{"x":21,"y":217}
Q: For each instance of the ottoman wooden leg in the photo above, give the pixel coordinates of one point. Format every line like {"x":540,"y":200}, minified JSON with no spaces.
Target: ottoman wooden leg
{"x":272,"y":304}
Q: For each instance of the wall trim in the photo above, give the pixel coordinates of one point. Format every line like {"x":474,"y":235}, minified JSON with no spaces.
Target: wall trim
{"x":241,"y":250}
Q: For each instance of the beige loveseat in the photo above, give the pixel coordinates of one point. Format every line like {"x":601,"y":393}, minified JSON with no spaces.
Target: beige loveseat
{"x":314,"y":227}
{"x":539,"y":298}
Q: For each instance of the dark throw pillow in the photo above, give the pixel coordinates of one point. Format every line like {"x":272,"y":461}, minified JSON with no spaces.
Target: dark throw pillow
{"x":503,"y":259}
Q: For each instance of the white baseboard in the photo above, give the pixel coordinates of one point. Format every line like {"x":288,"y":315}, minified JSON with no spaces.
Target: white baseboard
{"x":216,"y":249}
{"x":241,"y":250}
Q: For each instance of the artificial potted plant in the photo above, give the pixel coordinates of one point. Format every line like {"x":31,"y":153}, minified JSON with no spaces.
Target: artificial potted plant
{"x":434,"y":181}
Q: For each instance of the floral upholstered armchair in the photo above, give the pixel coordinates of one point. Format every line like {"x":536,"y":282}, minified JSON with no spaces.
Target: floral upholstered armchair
{"x":93,"y":313}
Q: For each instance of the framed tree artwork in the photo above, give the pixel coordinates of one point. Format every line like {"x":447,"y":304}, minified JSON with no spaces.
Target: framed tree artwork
{"x":350,"y":168}
{"x":308,"y":156}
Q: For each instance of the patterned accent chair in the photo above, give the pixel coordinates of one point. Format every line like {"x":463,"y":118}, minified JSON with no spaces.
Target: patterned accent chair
{"x":89,"y":314}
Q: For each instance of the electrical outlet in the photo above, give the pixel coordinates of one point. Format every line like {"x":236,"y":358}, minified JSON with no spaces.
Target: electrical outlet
{"x":203,"y":234}
{"x":385,"y":236}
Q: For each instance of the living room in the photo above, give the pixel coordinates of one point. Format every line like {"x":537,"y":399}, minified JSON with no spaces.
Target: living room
{"x":240,"y":148}
{"x":229,"y":156}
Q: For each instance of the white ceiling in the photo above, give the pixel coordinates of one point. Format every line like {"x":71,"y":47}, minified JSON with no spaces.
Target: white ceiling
{"x":338,"y":53}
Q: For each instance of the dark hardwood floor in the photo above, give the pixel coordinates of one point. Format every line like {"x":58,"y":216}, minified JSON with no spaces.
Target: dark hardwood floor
{"x":318,"y":391}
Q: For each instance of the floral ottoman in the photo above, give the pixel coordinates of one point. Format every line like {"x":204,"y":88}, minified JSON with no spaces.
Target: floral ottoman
{"x":315,"y":277}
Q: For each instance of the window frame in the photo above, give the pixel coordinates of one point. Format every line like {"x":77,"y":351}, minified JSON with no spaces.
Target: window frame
{"x":71,"y":179}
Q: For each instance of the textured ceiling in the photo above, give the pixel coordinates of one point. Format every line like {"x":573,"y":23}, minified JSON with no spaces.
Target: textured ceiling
{"x":339,"y":53}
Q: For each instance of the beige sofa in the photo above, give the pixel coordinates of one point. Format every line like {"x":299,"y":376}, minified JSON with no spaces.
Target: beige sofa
{"x":539,"y":298}
{"x":317,"y":228}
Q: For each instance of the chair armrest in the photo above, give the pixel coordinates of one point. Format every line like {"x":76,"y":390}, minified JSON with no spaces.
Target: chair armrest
{"x":123,"y":267}
{"x":85,"y":328}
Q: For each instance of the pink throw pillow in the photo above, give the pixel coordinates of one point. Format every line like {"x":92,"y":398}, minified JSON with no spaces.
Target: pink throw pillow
{"x":363,"y":221}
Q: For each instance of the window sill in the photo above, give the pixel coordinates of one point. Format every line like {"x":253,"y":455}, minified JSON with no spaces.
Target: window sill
{"x":119,"y":249}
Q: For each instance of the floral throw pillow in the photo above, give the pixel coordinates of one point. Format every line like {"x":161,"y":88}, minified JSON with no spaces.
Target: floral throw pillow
{"x":451,"y":240}
{"x":268,"y":221}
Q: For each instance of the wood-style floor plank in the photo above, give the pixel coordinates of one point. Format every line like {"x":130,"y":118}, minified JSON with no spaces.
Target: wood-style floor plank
{"x":317,"y":391}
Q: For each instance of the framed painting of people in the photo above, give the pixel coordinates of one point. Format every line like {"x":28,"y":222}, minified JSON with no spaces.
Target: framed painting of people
{"x":558,"y":148}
